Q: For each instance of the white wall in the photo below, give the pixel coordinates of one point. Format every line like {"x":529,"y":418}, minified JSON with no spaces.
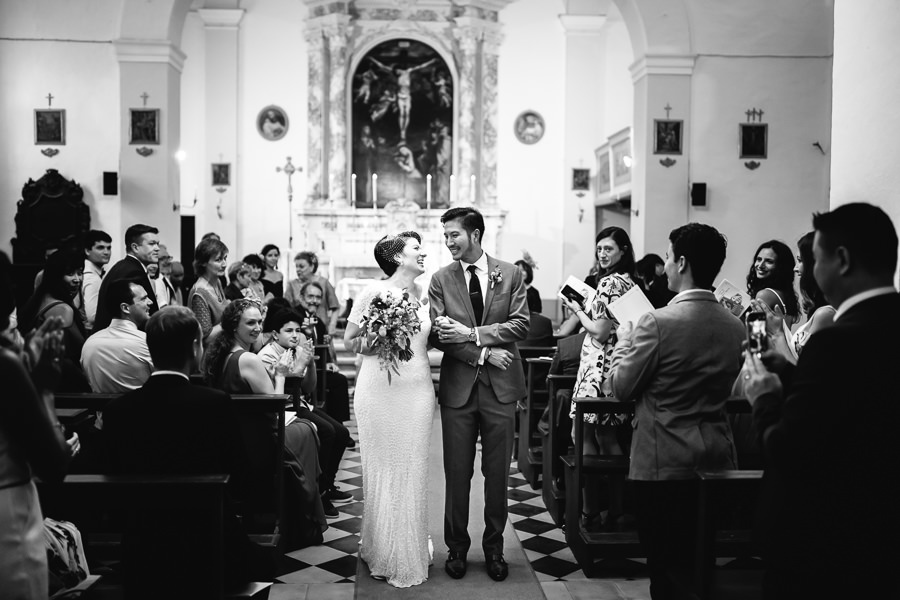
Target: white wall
{"x":82,"y":75}
{"x":865,"y":120}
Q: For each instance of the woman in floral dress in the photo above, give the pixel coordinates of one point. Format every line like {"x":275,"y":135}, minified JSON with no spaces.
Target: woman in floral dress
{"x":616,"y":276}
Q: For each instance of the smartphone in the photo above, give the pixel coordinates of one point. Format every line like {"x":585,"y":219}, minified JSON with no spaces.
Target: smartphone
{"x":757,"y":342}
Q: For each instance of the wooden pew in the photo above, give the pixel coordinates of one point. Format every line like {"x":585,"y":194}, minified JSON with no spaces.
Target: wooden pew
{"x":244,"y":404}
{"x":536,"y":362}
{"x":323,"y":353}
{"x":136,"y":496}
{"x":556,"y":443}
{"x":588,"y":547}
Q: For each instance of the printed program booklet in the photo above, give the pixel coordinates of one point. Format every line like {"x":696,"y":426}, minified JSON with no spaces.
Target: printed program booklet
{"x":578,"y":291}
{"x":630,"y":306}
{"x":733,"y":298}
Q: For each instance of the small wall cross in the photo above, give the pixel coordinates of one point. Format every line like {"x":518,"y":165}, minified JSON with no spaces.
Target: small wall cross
{"x":144,"y":96}
{"x":667,"y":109}
{"x":49,"y":99}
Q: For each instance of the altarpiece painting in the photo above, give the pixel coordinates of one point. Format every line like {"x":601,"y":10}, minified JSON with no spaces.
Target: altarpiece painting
{"x":402,"y":125}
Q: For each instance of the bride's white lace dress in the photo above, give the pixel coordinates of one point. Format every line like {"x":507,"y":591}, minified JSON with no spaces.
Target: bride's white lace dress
{"x":394,"y":422}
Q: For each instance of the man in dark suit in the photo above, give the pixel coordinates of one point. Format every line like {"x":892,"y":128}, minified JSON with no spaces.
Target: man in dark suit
{"x":141,"y":249}
{"x":678,"y":364}
{"x":479,"y":312}
{"x":169,"y":426}
{"x":828,"y":427}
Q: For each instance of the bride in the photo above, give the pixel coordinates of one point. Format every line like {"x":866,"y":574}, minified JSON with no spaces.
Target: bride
{"x":394,"y":419}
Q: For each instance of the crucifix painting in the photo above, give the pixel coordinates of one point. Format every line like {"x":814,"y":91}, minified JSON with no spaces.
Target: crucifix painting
{"x":402,"y":113}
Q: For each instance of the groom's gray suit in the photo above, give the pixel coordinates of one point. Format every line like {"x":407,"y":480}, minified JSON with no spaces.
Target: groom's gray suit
{"x":479,"y":398}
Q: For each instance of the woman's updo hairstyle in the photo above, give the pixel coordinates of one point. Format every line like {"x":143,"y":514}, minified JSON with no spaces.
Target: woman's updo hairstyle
{"x":389,"y":247}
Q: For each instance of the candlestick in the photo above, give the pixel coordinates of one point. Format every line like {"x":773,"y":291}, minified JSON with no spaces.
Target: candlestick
{"x":472,"y":190}
{"x":452,"y":198}
{"x":353,"y":190}
{"x":375,"y":191}
{"x":428,"y":191}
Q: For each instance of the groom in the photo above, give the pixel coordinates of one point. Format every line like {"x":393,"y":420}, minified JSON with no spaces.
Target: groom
{"x":479,"y":312}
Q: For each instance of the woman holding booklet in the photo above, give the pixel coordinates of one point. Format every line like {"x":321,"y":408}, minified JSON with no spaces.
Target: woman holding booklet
{"x":616,"y":277}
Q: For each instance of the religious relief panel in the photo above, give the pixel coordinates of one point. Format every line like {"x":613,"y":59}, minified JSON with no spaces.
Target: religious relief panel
{"x":402,"y":110}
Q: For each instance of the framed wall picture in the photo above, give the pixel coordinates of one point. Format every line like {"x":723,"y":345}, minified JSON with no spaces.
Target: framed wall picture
{"x":754,"y":140}
{"x":221,"y":174}
{"x":620,"y":144}
{"x":581,"y":180}
{"x":144,"y":126}
{"x":529,"y":127}
{"x":272,"y":123}
{"x":50,"y":126}
{"x":604,"y":175}
{"x":667,"y":136}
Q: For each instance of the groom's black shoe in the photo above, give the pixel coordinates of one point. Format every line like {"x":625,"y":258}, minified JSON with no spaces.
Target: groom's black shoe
{"x":455,"y":565}
{"x":496,"y":567}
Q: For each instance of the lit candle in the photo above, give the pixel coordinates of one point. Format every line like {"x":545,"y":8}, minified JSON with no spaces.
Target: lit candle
{"x":374,"y":191}
{"x":472,"y":190}
{"x":428,"y":191}
{"x":353,"y":190}
{"x":452,"y":198}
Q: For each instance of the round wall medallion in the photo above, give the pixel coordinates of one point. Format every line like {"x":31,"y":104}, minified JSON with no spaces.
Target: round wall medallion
{"x":272,"y":123}
{"x":529,"y":127}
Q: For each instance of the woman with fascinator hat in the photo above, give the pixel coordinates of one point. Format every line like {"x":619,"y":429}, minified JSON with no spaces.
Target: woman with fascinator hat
{"x":394,"y":416}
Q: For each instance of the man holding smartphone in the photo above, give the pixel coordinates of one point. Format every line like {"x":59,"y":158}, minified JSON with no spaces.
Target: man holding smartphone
{"x":678,"y":364}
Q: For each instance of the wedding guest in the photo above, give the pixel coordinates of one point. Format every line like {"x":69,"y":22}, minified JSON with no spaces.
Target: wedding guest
{"x":166,"y":292}
{"x":177,"y":279}
{"x":677,"y":364}
{"x":142,"y":249}
{"x":616,"y":255}
{"x":207,"y":298}
{"x":239,"y":282}
{"x":306,"y":265}
{"x":531,"y":294}
{"x":231,"y":366}
{"x":771,"y":279}
{"x":650,"y":270}
{"x":97,"y":249}
{"x":204,"y":436}
{"x":288,"y":339}
{"x":272,"y":279}
{"x":117,"y":358}
{"x":31,"y":444}
{"x":256,"y":270}
{"x":54,"y":297}
{"x":832,"y":418}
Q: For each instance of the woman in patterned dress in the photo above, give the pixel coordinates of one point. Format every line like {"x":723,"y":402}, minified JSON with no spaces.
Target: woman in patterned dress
{"x":616,"y":276}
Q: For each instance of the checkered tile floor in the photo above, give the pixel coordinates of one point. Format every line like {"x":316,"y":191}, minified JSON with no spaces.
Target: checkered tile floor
{"x":307,"y":572}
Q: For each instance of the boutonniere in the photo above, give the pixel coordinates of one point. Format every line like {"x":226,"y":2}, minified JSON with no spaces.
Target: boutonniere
{"x":496,"y":276}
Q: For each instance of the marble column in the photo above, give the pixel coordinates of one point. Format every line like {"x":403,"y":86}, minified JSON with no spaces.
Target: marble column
{"x":487,"y":176}
{"x":315,"y":106}
{"x":337,"y":111}
{"x":150,"y":78}
{"x":467,"y":135}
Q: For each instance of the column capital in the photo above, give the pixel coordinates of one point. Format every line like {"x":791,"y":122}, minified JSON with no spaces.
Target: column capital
{"x":582,"y":24}
{"x":467,"y":35}
{"x":493,"y":37}
{"x":314,"y":35}
{"x":662,"y":65}
{"x":149,"y":51}
{"x":221,"y":18}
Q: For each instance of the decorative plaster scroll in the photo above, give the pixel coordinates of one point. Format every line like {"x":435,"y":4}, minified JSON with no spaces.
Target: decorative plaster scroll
{"x":467,"y":38}
{"x":337,"y":116}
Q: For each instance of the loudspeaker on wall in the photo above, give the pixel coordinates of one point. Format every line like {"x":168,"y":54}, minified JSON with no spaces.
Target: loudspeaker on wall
{"x":698,"y":194}
{"x":110,"y":183}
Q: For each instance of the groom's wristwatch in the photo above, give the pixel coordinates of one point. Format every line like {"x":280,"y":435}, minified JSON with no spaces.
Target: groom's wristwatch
{"x":472,"y":335}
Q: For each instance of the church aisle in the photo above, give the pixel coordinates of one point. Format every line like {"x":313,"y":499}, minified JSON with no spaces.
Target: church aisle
{"x":328,"y":571}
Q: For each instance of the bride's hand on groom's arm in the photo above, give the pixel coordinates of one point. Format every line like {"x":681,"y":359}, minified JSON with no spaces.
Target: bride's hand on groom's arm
{"x":452,"y":332}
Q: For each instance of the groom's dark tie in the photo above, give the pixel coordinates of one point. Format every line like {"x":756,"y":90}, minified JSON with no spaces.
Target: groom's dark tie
{"x":475,"y":294}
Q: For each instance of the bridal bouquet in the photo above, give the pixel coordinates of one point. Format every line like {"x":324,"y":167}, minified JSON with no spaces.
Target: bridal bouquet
{"x":392,"y":317}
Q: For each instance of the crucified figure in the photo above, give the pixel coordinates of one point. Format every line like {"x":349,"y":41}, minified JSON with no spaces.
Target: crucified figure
{"x":404,"y":96}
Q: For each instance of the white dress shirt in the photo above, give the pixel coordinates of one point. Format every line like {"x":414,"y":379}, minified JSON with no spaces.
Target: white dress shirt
{"x":481,"y":271}
{"x":116,"y":359}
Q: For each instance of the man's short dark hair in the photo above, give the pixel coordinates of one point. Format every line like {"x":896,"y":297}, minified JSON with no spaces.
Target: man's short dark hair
{"x":865,"y":231}
{"x":171,"y":332}
{"x":134,"y":234}
{"x":469,"y":218}
{"x":118,"y":293}
{"x":703,"y":247}
{"x":276,"y":319}
{"x":95,"y":235}
{"x":308,"y":284}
